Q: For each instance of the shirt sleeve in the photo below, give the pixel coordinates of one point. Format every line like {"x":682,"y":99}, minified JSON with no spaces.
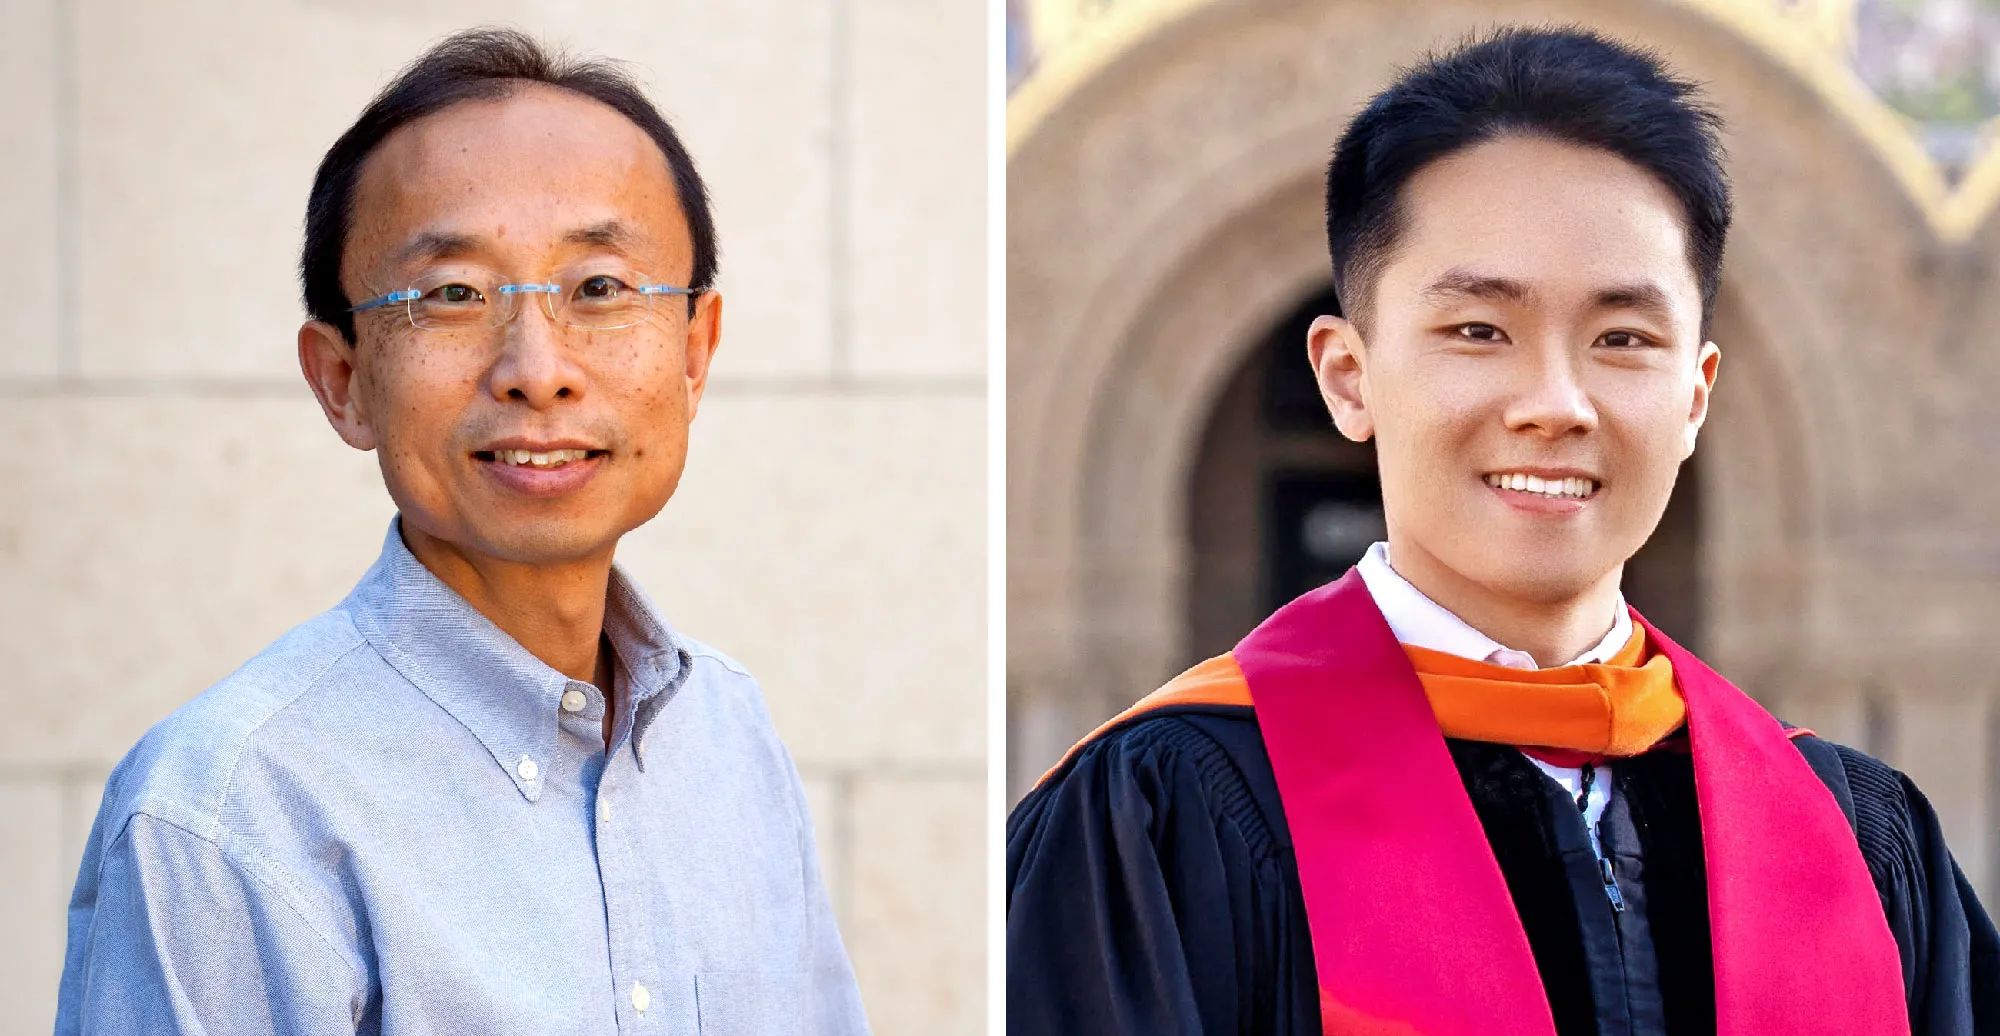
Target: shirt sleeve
{"x":170,"y":936}
{"x":834,"y":1008}
{"x":1138,"y":905}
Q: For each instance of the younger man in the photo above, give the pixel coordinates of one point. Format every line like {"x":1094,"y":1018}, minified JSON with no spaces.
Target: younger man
{"x":1464,"y":789}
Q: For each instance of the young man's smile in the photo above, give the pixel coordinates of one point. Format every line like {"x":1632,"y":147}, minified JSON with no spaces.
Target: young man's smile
{"x":1537,"y":490}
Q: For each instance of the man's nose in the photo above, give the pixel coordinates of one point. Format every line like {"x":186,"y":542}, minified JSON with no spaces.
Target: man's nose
{"x":1552,"y":399}
{"x":533,"y":365}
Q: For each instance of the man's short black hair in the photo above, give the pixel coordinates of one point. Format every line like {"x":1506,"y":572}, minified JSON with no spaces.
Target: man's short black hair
{"x":478,"y":64}
{"x":1568,"y":85}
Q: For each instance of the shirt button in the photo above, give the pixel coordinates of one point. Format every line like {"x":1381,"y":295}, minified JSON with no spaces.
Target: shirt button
{"x":640,"y":998}
{"x":527,"y":769}
{"x":604,"y":811}
{"x":572,"y":700}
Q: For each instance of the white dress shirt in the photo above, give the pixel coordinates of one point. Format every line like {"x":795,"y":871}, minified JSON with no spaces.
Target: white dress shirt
{"x":1418,"y":621}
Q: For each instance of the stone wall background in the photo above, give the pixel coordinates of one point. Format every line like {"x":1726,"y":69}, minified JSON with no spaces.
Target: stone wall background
{"x":171,"y":499}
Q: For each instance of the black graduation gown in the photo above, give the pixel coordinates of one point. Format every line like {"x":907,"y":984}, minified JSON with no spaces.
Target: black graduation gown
{"x":1152,"y":890}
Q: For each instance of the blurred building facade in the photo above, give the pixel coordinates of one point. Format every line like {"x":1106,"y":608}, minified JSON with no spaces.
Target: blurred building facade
{"x":1834,"y":546}
{"x":172,"y":499}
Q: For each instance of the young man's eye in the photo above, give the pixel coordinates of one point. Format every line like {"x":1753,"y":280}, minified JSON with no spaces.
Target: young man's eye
{"x":1480,"y":332}
{"x":1625,"y":340}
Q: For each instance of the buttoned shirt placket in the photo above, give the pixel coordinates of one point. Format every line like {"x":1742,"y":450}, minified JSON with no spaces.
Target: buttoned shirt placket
{"x":643,"y":1001}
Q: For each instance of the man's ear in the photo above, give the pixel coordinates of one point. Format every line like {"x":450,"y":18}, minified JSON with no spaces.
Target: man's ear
{"x":1333,"y":345}
{"x":328,"y":362}
{"x":704,"y":337}
{"x":1706,"y":363}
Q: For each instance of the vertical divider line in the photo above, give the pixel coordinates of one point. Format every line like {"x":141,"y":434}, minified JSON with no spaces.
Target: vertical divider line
{"x":69,"y":359}
{"x":840,"y":287}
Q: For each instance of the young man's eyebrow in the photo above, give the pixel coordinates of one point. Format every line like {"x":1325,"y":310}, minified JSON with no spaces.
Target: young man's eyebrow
{"x":1455,"y":285}
{"x":1458,"y":284}
{"x":1644,"y":296}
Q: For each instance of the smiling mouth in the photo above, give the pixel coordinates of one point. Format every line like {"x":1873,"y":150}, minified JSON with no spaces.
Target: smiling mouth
{"x":534,"y":459}
{"x":1553,"y":488}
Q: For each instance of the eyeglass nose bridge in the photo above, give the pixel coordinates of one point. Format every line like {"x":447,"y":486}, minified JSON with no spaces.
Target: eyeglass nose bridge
{"x":510,"y":295}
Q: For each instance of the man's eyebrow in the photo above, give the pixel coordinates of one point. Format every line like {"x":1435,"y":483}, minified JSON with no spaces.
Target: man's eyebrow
{"x":610,"y":233}
{"x":1463,"y":284}
{"x":432,"y":245}
{"x":1644,"y":296}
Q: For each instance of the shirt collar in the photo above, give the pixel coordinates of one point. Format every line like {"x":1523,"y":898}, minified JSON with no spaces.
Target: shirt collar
{"x":1418,"y":621}
{"x":507,"y":698}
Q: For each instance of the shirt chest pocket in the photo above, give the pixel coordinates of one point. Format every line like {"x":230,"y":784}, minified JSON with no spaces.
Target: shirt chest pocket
{"x":750,"y":1003}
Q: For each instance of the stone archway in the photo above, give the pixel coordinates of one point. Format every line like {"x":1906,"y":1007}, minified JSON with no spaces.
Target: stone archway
{"x":1169,"y":211}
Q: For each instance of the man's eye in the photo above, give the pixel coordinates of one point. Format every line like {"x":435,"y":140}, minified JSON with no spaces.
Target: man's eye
{"x":602,"y":286}
{"x":1479,"y":332}
{"x":455,"y":294}
{"x":1623,"y":340}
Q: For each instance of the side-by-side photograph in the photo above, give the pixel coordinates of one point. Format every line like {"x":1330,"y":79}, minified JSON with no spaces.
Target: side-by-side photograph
{"x":1041,"y":517}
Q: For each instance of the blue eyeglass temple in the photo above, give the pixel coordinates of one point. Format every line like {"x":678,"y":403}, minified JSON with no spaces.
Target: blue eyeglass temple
{"x":412,"y":294}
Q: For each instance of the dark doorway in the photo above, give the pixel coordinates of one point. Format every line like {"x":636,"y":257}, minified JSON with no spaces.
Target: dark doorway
{"x":1280,"y":503}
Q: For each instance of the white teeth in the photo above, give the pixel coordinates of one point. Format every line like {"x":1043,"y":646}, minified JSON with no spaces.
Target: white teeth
{"x":1556,"y":487}
{"x":551,"y":459}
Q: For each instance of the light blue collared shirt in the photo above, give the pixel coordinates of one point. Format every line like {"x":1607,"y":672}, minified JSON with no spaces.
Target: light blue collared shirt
{"x":397,"y":820}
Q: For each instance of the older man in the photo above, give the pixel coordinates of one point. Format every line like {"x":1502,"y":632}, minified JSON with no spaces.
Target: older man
{"x":492,"y":791}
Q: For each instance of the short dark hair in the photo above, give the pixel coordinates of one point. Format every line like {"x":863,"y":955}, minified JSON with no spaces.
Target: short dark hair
{"x":478,"y":64}
{"x":1568,"y":85}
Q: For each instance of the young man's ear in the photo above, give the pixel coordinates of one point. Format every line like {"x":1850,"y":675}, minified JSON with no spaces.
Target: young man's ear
{"x":1333,"y":345}
{"x":1706,"y":363}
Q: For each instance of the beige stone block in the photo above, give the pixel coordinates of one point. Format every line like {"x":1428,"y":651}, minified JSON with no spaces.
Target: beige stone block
{"x":200,"y":127}
{"x":916,"y":237}
{"x":33,"y":892}
{"x":826,"y":797}
{"x":174,"y":539}
{"x":918,"y":927}
{"x":836,"y":546}
{"x":202,"y":123}
{"x":1944,"y":744}
{"x":28,"y":162}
